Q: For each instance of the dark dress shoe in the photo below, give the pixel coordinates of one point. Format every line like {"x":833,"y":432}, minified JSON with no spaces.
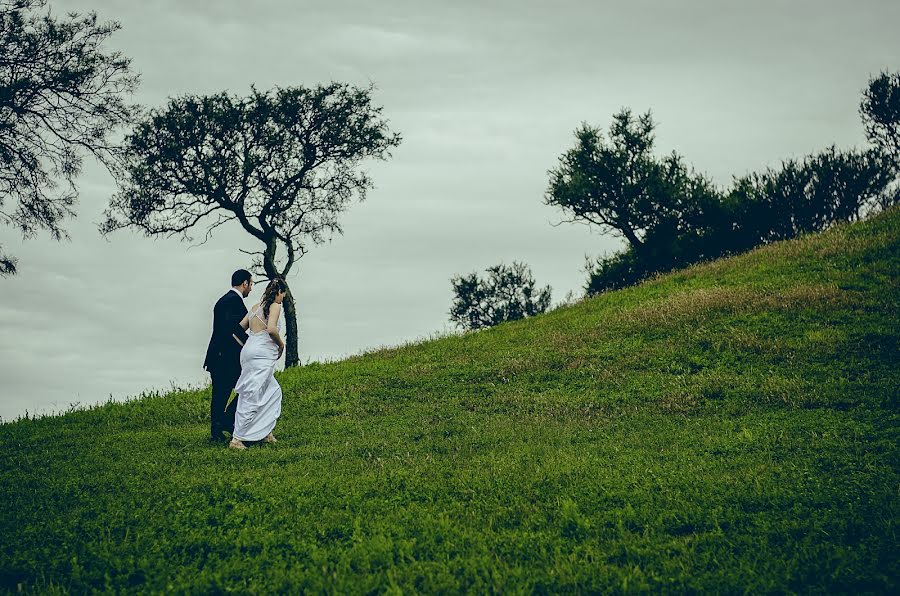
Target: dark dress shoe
{"x":219,"y":436}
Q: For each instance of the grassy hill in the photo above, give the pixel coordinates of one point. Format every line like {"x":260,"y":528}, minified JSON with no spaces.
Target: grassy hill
{"x":732,"y":427}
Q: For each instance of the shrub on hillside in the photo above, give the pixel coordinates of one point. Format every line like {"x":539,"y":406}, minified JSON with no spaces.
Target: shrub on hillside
{"x":507,"y":293}
{"x":808,"y":195}
{"x":805,"y":195}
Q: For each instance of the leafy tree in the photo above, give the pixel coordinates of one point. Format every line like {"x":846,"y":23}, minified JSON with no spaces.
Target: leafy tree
{"x":507,"y":293}
{"x":659,"y":205}
{"x":618,"y":184}
{"x":62,"y":95}
{"x":608,"y":183}
{"x":283,"y":164}
{"x":880,"y":111}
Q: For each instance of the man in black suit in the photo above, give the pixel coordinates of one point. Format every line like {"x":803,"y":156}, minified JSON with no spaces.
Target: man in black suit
{"x":223,"y":356}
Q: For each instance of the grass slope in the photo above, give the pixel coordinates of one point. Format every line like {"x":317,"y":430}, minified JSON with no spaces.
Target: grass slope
{"x":732,"y":427}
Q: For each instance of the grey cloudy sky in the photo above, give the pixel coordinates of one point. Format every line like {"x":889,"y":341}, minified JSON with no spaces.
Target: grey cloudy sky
{"x":486,"y":96}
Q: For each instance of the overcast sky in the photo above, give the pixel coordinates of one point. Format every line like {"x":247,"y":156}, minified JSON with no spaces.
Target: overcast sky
{"x":486,"y":96}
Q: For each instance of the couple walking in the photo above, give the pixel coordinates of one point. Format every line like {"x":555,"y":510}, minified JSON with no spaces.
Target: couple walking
{"x":243,"y":350}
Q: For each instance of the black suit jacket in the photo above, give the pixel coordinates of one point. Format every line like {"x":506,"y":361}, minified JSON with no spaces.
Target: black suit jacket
{"x":224,"y":353}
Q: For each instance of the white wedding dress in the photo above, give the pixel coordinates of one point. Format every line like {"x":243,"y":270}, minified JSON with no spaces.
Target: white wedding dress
{"x":258,"y":393}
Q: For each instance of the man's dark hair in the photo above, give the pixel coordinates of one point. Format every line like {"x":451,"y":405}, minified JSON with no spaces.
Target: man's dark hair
{"x":240,"y":276}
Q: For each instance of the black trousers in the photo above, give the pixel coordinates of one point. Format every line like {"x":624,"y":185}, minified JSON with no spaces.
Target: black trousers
{"x":220,"y":417}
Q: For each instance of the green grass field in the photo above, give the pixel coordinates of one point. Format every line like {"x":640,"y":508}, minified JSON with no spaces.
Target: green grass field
{"x":729,"y":428}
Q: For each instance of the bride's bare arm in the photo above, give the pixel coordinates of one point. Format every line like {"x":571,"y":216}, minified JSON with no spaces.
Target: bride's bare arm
{"x":245,"y":323}
{"x":274,"y":313}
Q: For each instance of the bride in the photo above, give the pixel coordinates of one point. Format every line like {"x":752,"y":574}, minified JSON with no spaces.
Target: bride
{"x":258,"y":393}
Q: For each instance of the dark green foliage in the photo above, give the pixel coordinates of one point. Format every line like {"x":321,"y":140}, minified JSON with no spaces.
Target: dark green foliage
{"x":694,"y":223}
{"x":507,"y":293}
{"x":61,"y":95}
{"x":618,"y":183}
{"x":880,"y":111}
{"x":732,"y":428}
{"x":283,"y":164}
{"x":808,"y":195}
{"x":615,"y":271}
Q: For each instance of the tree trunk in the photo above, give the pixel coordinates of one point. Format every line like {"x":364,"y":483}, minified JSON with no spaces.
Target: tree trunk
{"x":291,"y":344}
{"x":292,"y":350}
{"x":630,"y":236}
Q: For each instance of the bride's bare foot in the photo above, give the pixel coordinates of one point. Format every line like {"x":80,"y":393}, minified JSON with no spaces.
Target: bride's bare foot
{"x":270,"y":439}
{"x":236,"y":444}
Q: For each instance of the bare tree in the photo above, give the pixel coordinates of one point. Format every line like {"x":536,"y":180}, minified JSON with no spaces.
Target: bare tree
{"x":62,"y":95}
{"x":283,"y":164}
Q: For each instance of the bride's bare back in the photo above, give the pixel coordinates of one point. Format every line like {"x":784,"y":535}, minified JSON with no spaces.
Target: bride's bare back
{"x":257,"y":321}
